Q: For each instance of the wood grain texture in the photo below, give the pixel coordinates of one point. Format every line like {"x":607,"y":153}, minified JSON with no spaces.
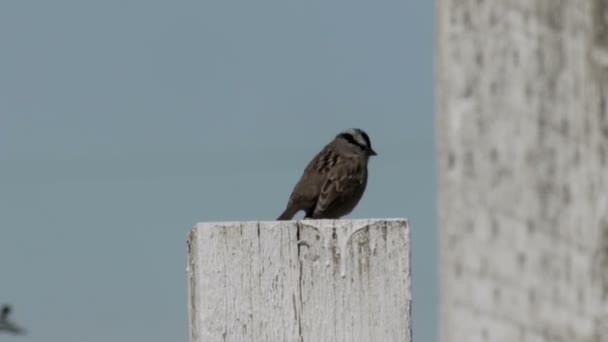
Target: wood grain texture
{"x":309,"y":280}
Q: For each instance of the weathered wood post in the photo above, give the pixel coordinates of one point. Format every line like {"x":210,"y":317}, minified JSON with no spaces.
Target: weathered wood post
{"x":309,"y":280}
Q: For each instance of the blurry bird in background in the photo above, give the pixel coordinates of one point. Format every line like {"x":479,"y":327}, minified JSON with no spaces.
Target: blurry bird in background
{"x":6,"y":325}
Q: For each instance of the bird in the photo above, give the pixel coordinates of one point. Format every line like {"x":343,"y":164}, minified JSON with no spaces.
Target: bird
{"x":334,"y":181}
{"x":6,"y":324}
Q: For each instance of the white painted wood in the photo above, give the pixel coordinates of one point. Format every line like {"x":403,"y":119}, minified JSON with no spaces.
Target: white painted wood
{"x":309,"y":280}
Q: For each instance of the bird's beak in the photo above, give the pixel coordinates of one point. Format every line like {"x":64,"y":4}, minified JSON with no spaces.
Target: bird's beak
{"x":372,"y":152}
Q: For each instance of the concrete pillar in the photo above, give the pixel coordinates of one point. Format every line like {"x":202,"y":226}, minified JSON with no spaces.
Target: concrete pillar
{"x":522,"y":140}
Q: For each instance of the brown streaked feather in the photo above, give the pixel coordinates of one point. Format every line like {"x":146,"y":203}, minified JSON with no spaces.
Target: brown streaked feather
{"x":342,"y":189}
{"x":322,"y":162}
{"x":306,"y":192}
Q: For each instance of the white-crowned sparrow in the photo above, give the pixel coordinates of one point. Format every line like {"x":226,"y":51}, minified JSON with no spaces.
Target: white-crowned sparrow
{"x":334,"y":181}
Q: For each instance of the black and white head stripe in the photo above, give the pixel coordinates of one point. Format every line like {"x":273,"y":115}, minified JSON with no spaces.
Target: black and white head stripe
{"x":357,"y":137}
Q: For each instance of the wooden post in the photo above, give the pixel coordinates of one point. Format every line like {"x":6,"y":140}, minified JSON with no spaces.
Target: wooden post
{"x":309,"y":280}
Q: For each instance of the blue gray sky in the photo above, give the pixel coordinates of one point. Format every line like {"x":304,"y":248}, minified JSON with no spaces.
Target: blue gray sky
{"x":122,"y":123}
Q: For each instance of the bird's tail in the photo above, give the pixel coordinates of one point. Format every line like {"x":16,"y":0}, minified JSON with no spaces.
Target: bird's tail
{"x":287,"y":214}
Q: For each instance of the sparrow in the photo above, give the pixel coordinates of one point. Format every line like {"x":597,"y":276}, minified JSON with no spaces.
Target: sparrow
{"x":334,"y":180}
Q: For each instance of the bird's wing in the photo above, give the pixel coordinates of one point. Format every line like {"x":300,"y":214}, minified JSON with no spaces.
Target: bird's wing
{"x":339,"y":184}
{"x":11,"y":328}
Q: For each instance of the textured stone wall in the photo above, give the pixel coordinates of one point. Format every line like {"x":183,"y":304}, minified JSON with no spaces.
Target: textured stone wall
{"x":522,"y":129}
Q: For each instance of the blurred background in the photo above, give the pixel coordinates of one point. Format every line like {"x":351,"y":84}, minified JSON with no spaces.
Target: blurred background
{"x":123,"y":123}
{"x":522,"y":141}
